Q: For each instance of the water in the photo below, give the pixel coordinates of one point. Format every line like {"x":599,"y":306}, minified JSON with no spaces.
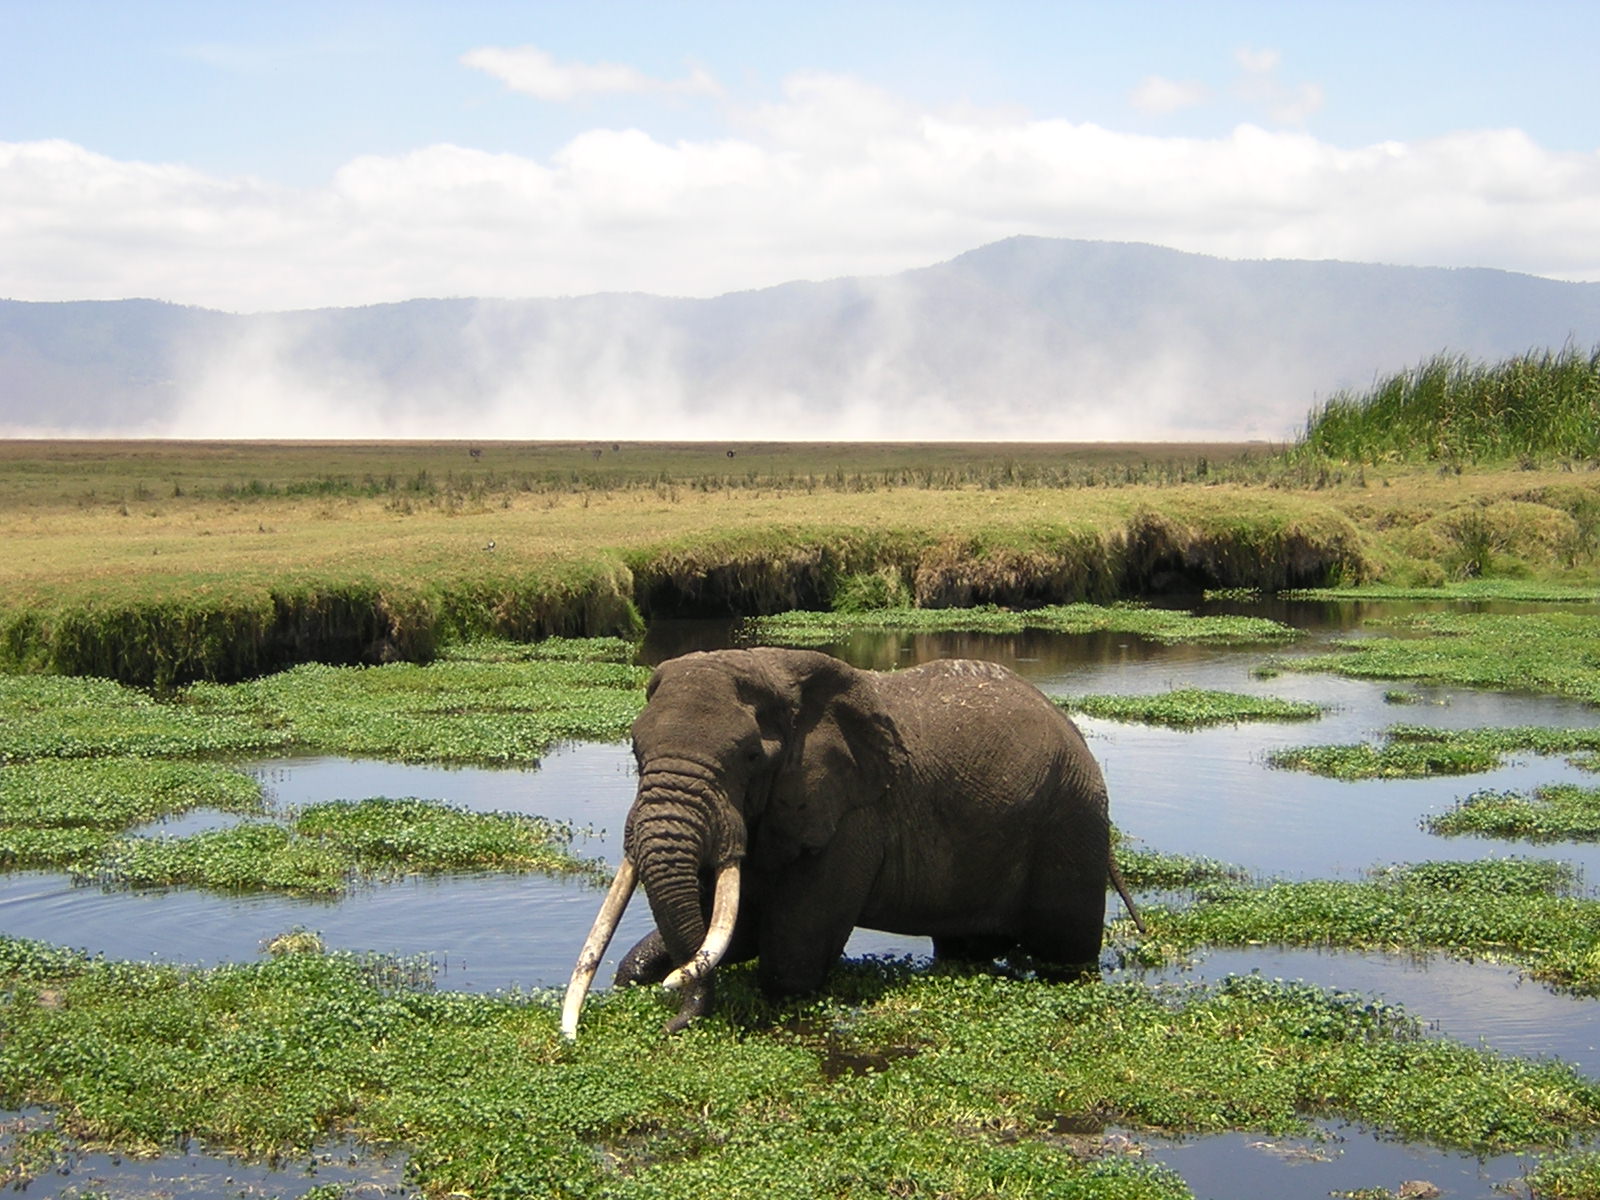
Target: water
{"x":1207,"y":792}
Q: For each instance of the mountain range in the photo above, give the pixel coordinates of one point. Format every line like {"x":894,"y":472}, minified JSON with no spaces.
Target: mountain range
{"x":1024,"y":339}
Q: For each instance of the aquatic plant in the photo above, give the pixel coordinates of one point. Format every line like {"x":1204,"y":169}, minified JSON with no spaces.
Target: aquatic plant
{"x":456,"y":711}
{"x":254,"y":856}
{"x":418,"y":836}
{"x":44,"y":716}
{"x":1154,"y":870}
{"x":902,"y":1080}
{"x":1191,"y":708}
{"x":1555,"y":812}
{"x":114,"y":793}
{"x":1530,"y":651}
{"x":564,"y":649}
{"x":491,"y":709}
{"x":1416,"y":751}
{"x":1520,"y":591}
{"x":328,"y":846}
{"x":298,"y":940}
{"x":1525,"y":912}
{"x":62,"y":812}
{"x":1574,"y":1176}
{"x":1157,"y":624}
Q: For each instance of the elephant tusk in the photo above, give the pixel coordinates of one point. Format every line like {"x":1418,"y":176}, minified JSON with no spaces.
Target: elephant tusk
{"x":724,"y":912}
{"x":594,"y":949}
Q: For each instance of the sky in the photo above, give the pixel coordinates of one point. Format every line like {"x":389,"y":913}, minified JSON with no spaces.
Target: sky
{"x":261,"y":157}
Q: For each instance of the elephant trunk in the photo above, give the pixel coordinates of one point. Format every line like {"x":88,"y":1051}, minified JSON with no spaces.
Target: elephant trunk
{"x":683,"y":825}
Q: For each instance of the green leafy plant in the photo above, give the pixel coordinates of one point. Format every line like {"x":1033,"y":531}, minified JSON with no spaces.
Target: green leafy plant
{"x":1156,"y":624}
{"x":1556,"y":812}
{"x":1192,"y":708}
{"x":1416,"y":751}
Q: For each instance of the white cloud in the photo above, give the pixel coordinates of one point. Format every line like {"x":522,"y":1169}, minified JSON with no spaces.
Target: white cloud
{"x":1258,"y":84}
{"x":536,"y":72}
{"x":834,"y":178}
{"x":1257,"y":62}
{"x":1161,"y":96}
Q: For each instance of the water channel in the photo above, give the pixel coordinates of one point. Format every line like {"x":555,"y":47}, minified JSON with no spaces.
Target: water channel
{"x":1207,"y":792}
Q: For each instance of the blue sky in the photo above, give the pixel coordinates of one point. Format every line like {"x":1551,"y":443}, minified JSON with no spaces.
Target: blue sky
{"x":303,"y":154}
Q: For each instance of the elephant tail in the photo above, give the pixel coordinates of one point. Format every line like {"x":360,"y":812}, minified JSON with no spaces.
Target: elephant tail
{"x":1122,"y":890}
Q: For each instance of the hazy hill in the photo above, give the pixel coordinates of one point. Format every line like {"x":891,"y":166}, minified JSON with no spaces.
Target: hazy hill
{"x":1025,"y":338}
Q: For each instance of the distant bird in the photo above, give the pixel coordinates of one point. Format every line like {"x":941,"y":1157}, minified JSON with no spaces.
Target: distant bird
{"x":490,"y":545}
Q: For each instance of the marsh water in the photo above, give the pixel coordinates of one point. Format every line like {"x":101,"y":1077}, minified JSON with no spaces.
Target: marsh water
{"x":1207,"y":792}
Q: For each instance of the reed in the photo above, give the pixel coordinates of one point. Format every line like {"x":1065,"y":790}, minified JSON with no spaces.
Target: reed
{"x":1530,"y":407}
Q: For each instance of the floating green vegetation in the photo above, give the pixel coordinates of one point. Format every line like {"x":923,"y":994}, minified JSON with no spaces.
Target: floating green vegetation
{"x":113,"y":793}
{"x":1417,"y":751}
{"x":329,"y":846}
{"x":49,"y":716}
{"x":1521,"y":591}
{"x":1191,"y":708}
{"x":486,"y":709}
{"x":1557,"y":812}
{"x":1573,"y":1176}
{"x":256,"y":856}
{"x":551,"y":649}
{"x":901,"y":1081}
{"x":1155,"y":624}
{"x":1152,"y":870}
{"x":54,"y":812}
{"x":411,"y":835}
{"x":1519,"y":910}
{"x":462,"y":711}
{"x":1533,"y":651}
{"x":1531,"y":406}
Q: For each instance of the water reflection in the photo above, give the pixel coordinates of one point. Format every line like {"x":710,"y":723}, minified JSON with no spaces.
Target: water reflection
{"x":1341,"y":1161}
{"x":194,"y":1175}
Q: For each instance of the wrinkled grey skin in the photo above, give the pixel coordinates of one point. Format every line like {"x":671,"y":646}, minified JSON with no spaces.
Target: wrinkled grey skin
{"x":951,"y":800}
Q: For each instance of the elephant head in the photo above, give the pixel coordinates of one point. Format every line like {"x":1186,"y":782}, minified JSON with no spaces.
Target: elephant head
{"x":740,"y":753}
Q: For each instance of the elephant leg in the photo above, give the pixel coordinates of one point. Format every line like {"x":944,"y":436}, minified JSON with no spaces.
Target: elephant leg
{"x":814,"y":905}
{"x":973,"y":948}
{"x":648,"y":961}
{"x":1065,"y":921}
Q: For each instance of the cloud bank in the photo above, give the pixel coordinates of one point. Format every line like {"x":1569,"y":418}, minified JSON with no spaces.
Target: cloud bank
{"x":836,"y":177}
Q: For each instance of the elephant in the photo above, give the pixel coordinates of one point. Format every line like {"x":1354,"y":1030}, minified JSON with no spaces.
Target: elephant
{"x":795,"y":797}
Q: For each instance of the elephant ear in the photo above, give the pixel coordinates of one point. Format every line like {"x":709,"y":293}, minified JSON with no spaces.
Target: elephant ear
{"x":844,"y":751}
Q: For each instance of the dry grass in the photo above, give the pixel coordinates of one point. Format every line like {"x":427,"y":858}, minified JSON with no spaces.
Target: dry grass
{"x":358,"y":553}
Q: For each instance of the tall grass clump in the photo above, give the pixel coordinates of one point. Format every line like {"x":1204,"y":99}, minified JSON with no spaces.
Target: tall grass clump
{"x":173,"y":632}
{"x":1534,"y":406}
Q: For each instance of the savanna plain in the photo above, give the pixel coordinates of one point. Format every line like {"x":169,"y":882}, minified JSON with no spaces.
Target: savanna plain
{"x":171,"y":613}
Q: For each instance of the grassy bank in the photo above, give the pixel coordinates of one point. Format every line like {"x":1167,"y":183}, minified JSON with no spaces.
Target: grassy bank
{"x":189,"y":589}
{"x":163,"y":563}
